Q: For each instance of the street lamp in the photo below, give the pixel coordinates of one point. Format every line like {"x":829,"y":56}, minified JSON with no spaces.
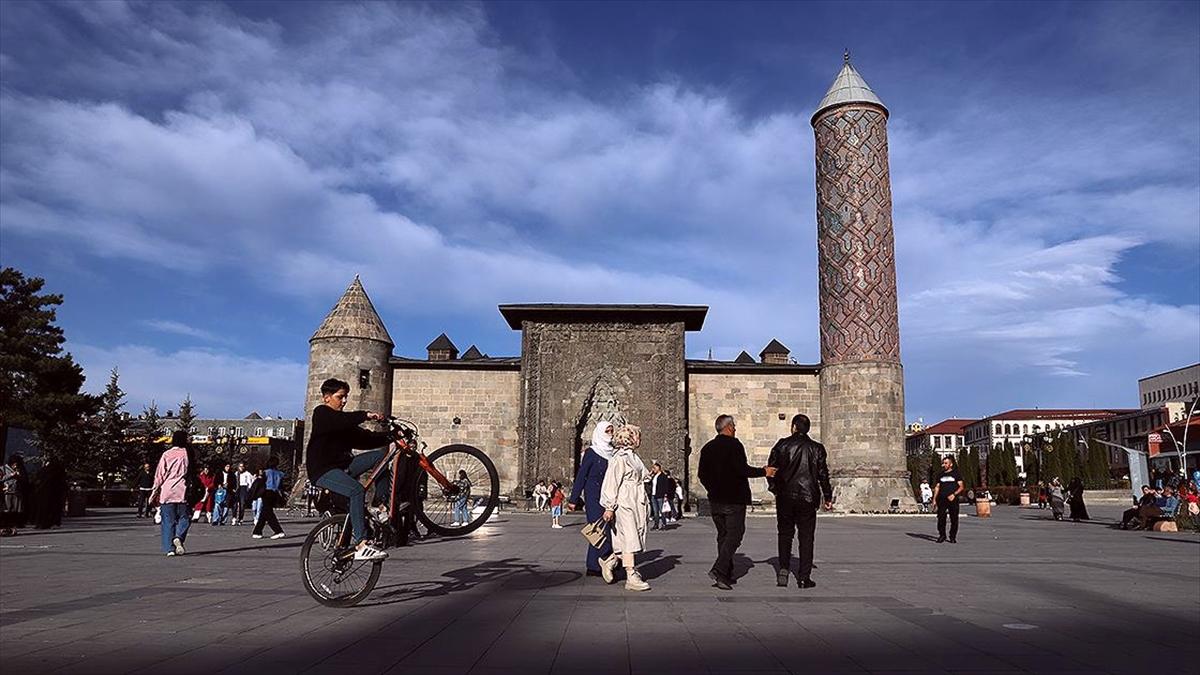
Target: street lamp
{"x":1034,"y":442}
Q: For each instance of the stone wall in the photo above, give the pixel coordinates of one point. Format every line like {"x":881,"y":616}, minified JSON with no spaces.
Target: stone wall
{"x":756,"y":400}
{"x":486,"y":403}
{"x":575,"y":374}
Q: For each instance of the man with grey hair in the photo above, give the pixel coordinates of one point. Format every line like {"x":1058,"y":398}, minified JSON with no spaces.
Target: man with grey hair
{"x":725,"y":473}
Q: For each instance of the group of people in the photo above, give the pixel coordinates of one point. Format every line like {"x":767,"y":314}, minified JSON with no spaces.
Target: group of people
{"x":611,"y":487}
{"x":548,"y":496}
{"x":179,"y":495}
{"x":1157,"y":503}
{"x":26,"y":499}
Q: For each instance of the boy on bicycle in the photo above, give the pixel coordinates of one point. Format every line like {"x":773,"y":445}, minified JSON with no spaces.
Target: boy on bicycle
{"x":332,"y":466}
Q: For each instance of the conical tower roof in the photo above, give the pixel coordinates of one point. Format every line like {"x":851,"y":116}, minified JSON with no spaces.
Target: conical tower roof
{"x":848,"y":87}
{"x":354,"y":316}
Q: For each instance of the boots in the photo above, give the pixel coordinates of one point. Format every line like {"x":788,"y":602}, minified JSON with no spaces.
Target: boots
{"x":607,"y":567}
{"x":634,"y":581}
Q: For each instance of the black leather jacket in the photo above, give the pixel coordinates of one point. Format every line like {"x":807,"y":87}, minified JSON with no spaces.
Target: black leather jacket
{"x":802,"y":471}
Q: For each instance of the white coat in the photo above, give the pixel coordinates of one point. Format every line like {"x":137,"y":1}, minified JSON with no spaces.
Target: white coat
{"x":622,"y":493}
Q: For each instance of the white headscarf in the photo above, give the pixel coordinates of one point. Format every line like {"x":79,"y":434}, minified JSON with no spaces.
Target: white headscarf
{"x":601,"y":443}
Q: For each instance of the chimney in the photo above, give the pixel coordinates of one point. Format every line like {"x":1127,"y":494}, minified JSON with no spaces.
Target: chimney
{"x":774,"y":353}
{"x":442,"y":349}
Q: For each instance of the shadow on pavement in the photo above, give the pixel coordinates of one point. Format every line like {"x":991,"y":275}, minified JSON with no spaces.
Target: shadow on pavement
{"x":654,"y":564}
{"x":508,"y":572}
{"x":917,"y":535}
{"x":295,"y":543}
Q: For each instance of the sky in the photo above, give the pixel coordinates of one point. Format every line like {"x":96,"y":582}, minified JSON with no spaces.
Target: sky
{"x":202,"y":182}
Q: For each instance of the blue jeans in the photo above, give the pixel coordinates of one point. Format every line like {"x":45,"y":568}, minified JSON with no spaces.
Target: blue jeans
{"x":176,"y":518}
{"x":218,"y":514}
{"x":656,"y":511}
{"x":346,"y":483}
{"x":462,"y":513}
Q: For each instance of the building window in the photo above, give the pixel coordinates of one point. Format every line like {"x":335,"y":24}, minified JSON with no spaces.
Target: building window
{"x":1024,"y":428}
{"x":937,"y":442}
{"x":258,"y":431}
{"x":364,"y":379}
{"x":221,"y":431}
{"x":997,"y":429}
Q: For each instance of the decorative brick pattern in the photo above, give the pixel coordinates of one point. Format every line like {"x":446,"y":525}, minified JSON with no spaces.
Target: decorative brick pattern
{"x":854,"y":236}
{"x":575,"y":374}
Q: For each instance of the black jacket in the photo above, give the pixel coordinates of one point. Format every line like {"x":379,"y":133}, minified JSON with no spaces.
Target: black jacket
{"x":803,"y":473}
{"x":724,"y":471}
{"x":334,"y":434}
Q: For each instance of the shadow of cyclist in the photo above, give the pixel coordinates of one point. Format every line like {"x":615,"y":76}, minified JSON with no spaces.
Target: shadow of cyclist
{"x":508,"y":573}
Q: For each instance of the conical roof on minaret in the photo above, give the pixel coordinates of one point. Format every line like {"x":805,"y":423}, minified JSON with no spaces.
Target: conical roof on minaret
{"x":848,"y":87}
{"x":355,"y":317}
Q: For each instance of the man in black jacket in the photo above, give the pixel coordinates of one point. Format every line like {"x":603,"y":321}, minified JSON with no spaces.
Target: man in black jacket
{"x":801,"y":480}
{"x":725,"y":474}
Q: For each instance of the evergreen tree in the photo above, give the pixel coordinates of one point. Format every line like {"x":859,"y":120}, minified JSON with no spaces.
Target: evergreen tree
{"x":187,"y":415}
{"x":1097,"y":466}
{"x":972,"y":468}
{"x":151,"y":430}
{"x":114,"y":452}
{"x":40,"y":385}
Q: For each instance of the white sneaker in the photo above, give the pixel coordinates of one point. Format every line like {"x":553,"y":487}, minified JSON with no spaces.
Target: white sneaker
{"x":178,"y":543}
{"x":634,"y":582}
{"x":557,"y":527}
{"x":454,"y":524}
{"x":368,"y":552}
{"x":256,"y":536}
{"x":170,"y":554}
{"x":277,"y":535}
{"x":607,"y":568}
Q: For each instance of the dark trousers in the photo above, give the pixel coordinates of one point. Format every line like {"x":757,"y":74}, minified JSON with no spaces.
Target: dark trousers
{"x":143,"y":501}
{"x":266,"y":515}
{"x":730,"y":520}
{"x":796,"y":517}
{"x":239,"y":503}
{"x":944,"y":508}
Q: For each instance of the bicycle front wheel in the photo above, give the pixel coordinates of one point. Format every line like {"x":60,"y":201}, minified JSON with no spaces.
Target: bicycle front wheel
{"x":441,"y":510}
{"x":330,"y":573}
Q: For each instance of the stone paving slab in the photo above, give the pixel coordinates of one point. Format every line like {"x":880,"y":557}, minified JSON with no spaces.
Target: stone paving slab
{"x":1020,"y":594}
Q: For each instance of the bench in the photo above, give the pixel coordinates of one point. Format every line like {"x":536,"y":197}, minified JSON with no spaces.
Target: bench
{"x":1165,"y":522}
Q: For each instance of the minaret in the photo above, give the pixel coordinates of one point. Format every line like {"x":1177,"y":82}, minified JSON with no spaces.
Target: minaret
{"x":353,"y":345}
{"x":862,"y":381}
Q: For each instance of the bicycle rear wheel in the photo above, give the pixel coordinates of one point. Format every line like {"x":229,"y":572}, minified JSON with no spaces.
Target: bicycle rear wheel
{"x":437,"y":508}
{"x":330,"y":573}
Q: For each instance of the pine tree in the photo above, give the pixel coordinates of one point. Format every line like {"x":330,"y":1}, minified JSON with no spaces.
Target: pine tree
{"x":113,"y":449}
{"x":40,"y":385}
{"x":151,"y":431}
{"x":187,"y":415}
{"x":973,"y":466}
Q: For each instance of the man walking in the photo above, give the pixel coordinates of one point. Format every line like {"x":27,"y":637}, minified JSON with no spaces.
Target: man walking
{"x":725,"y":474}
{"x":946,"y":494}
{"x":245,"y":480}
{"x":801,"y":481}
{"x":659,"y":487}
{"x":143,"y":484}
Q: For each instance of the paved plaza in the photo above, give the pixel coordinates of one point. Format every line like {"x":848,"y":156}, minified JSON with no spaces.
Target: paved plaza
{"x":1019,"y":593}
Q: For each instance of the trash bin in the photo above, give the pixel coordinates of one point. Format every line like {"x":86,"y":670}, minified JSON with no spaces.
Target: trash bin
{"x":983,"y":508}
{"x":1024,"y":499}
{"x":76,"y":502}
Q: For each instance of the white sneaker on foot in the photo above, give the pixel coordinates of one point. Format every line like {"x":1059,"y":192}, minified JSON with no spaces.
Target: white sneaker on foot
{"x":256,"y":536}
{"x":557,"y":527}
{"x":634,"y":582}
{"x":368,"y":552}
{"x":178,"y":544}
{"x":277,"y":535}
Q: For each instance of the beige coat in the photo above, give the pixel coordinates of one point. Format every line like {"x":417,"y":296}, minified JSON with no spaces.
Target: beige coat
{"x":624,"y":494}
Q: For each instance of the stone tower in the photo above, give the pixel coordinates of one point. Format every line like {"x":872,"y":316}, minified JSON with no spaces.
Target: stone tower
{"x":353,"y":345}
{"x":862,"y":381}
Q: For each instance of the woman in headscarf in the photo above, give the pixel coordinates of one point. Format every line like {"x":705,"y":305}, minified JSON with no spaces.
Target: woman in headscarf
{"x":1075,"y":499}
{"x":624,"y":498}
{"x":588,"y":482}
{"x":1057,"y":499}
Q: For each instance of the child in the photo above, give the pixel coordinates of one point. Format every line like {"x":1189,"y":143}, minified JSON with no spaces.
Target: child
{"x":219,"y":508}
{"x":556,"y":505}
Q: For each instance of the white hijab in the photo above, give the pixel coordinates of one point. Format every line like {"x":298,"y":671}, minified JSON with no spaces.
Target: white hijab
{"x":601,"y":443}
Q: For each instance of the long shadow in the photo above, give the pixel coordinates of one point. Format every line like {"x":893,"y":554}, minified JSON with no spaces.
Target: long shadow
{"x":295,"y":543}
{"x":741,"y":567}
{"x":654,"y":564}
{"x":1093,"y":521}
{"x":917,"y":535}
{"x":1178,"y":541}
{"x":513,"y":574}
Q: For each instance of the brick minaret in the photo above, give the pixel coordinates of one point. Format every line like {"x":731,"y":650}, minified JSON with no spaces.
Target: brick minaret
{"x":862,"y":381}
{"x":353,"y":345}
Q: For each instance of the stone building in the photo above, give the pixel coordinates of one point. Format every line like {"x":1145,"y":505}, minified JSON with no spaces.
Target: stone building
{"x":580,"y":364}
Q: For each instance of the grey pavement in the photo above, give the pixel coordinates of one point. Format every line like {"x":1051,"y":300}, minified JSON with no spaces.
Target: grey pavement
{"x":1019,"y":593}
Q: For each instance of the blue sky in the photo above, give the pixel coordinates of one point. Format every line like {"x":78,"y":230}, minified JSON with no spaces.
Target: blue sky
{"x":202,"y":181}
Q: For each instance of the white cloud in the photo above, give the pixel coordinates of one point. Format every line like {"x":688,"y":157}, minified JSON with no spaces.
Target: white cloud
{"x":221,"y":384}
{"x":180,"y":328}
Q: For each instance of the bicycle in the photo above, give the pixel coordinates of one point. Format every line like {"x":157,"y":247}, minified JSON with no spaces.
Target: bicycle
{"x":330,"y":573}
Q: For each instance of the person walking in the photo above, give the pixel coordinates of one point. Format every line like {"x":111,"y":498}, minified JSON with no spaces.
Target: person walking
{"x":143,"y":483}
{"x":676,"y":496}
{"x":1075,"y":499}
{"x":589,"y":480}
{"x":49,"y":495}
{"x":245,"y":480}
{"x":462,"y":500}
{"x":14,"y":482}
{"x":725,"y":475}
{"x":800,"y":483}
{"x":625,"y":503}
{"x":204,"y":507}
{"x":926,"y":496}
{"x":556,"y":502}
{"x":272,"y":496}
{"x":1057,"y":498}
{"x":947,"y":494}
{"x":659,"y":489}
{"x":169,"y":491}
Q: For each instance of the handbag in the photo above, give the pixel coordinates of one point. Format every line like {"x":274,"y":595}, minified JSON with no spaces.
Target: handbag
{"x":596,"y":533}
{"x":666,"y":507}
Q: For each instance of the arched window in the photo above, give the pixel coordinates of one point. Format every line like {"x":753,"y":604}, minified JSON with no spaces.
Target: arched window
{"x":997,"y":428}
{"x":1024,"y":428}
{"x":1007,"y":429}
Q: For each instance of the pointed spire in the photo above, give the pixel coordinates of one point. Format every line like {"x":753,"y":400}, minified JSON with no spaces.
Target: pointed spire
{"x":848,"y":87}
{"x":353,"y":316}
{"x":744,"y":358}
